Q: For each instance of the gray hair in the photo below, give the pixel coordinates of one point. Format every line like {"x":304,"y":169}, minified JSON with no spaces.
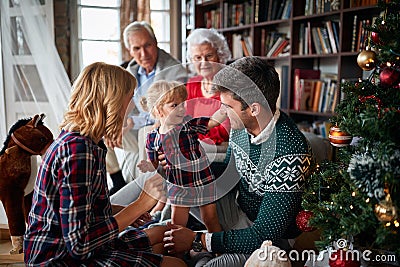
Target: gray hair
{"x":137,"y":26}
{"x":209,"y":36}
{"x":250,"y":80}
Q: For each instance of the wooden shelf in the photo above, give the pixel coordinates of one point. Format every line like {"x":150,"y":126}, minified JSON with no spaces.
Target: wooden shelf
{"x":342,"y":63}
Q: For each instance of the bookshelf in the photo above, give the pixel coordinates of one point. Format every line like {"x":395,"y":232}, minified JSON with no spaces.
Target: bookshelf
{"x":332,"y":48}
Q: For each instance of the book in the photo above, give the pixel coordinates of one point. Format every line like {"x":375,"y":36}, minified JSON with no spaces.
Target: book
{"x":317,"y":95}
{"x":335,"y":28}
{"x":246,"y":52}
{"x":279,"y":11}
{"x":328,"y":25}
{"x":324,"y":48}
{"x":275,"y":46}
{"x":316,"y":40}
{"x":262,"y":49}
{"x":354,"y":35}
{"x":307,"y":94}
{"x":302,"y":74}
{"x":301,"y":39}
{"x":322,"y":96}
{"x":281,"y":47}
{"x":325,"y":38}
{"x":284,"y":95}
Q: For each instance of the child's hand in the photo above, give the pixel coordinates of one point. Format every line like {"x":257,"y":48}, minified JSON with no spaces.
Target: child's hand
{"x":145,"y":166}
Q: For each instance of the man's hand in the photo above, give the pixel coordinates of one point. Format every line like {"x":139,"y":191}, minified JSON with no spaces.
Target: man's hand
{"x":178,"y":238}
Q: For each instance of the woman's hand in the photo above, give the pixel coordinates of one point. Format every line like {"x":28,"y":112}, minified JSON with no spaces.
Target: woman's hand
{"x":113,"y":143}
{"x":142,"y":220}
{"x":154,"y":187}
{"x":145,"y":166}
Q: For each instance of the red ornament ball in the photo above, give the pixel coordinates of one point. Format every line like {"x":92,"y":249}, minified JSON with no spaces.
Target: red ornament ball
{"x":342,"y":258}
{"x":302,"y":221}
{"x":339,"y":138}
{"x":375,"y":38}
{"x":388,"y":76}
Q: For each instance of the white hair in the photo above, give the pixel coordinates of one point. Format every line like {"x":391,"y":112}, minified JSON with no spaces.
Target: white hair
{"x":209,"y":36}
{"x":137,"y":26}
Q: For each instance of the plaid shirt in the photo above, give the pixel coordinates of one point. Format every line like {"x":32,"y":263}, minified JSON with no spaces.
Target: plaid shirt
{"x":188,"y":169}
{"x":70,"y":222}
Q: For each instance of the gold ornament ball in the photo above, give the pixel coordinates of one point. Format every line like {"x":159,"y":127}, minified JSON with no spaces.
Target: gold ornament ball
{"x":366,"y":60}
{"x":385,"y":211}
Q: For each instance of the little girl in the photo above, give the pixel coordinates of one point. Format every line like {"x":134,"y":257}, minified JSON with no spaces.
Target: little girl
{"x":190,"y":180}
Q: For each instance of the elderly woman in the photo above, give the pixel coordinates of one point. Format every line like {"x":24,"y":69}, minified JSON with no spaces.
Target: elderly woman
{"x":207,"y":51}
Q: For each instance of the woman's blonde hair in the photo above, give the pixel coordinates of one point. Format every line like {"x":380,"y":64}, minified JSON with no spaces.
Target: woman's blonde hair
{"x":95,"y":104}
{"x":162,"y":92}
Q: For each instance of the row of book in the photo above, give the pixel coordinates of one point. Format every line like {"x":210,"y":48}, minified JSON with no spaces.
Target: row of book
{"x":358,"y":3}
{"x":313,"y":93}
{"x":237,"y":14}
{"x":359,"y":37}
{"x":242,"y":45}
{"x":267,"y":10}
{"x":320,"y":6}
{"x":274,"y":44}
{"x":232,"y":15}
{"x":212,"y":18}
{"x":319,"y":39}
{"x":320,"y":128}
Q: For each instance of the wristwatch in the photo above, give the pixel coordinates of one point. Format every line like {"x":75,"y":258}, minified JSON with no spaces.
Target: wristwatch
{"x":197,"y":246}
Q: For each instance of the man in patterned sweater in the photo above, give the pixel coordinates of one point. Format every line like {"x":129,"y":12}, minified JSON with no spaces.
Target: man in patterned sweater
{"x":273,"y":160}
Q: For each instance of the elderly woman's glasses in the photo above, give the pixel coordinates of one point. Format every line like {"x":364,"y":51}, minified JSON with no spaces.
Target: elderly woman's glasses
{"x":208,"y":57}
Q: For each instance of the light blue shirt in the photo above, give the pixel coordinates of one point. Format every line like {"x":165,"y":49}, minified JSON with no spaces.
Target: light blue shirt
{"x":144,"y":82}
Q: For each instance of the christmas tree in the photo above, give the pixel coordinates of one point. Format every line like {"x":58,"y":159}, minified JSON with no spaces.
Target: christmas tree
{"x":357,"y":196}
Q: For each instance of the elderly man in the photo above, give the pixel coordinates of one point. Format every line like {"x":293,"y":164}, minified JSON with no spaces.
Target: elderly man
{"x":149,"y":64}
{"x":272,"y":159}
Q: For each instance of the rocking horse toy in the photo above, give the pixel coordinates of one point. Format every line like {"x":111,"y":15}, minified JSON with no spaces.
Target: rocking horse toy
{"x":27,"y":137}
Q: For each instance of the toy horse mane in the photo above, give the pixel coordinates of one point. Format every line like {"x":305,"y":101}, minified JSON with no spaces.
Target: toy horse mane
{"x":17,"y":125}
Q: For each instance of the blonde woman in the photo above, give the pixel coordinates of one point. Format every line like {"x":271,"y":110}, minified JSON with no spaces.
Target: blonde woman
{"x":70,"y":223}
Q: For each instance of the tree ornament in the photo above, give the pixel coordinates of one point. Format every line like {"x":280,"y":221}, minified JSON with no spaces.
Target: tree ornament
{"x":385,"y":211}
{"x":368,"y":169}
{"x":341,"y":258}
{"x":302,"y":221}
{"x":375,"y":38}
{"x":339,"y":138}
{"x":388,"y":76}
{"x":366,"y":59}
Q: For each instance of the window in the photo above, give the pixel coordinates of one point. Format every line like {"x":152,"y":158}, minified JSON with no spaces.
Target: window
{"x":99,"y":32}
{"x":160,"y":21}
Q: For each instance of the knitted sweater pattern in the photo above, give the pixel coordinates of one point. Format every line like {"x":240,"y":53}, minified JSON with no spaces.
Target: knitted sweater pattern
{"x":270,"y":189}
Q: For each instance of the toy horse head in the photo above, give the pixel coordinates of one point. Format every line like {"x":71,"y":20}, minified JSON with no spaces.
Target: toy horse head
{"x":26,"y":137}
{"x":30,"y":135}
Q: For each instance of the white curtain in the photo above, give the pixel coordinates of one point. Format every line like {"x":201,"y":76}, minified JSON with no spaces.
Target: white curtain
{"x":34,"y":79}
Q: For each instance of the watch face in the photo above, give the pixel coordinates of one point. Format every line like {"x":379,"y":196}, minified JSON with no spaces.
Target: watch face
{"x":196,"y":246}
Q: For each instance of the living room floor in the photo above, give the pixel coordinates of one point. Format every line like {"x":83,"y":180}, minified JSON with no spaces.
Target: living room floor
{"x":7,"y":260}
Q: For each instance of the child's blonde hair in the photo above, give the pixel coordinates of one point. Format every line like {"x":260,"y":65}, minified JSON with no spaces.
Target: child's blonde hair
{"x":95,"y":104}
{"x":162,"y":92}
